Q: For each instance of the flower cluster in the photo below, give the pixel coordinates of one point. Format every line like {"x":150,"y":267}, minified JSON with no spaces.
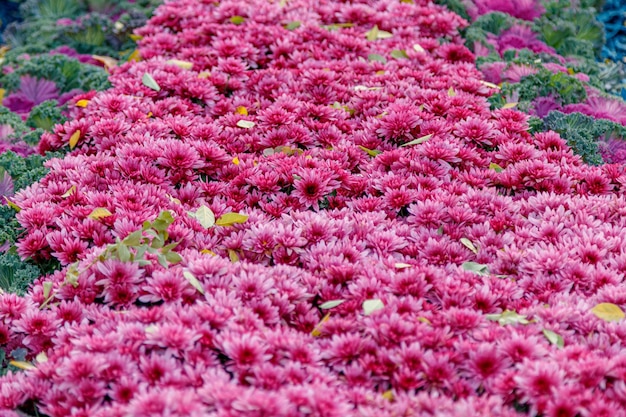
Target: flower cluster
{"x":404,"y":249}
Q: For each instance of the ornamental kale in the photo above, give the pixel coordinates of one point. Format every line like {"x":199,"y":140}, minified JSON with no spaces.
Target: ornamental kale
{"x":16,"y":275}
{"x":67,"y":73}
{"x":45,"y":115}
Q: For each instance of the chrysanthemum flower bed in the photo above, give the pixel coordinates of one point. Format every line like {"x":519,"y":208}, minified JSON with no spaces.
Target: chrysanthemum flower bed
{"x":305,"y":209}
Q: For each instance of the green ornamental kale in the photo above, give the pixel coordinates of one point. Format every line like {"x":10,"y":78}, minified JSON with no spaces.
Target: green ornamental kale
{"x":583,"y":132}
{"x":45,"y":116}
{"x":67,"y":73}
{"x":16,"y":275}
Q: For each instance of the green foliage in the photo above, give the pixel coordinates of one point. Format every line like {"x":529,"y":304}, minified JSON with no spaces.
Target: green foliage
{"x":494,"y":22}
{"x":67,"y":73}
{"x":456,"y":6}
{"x":571,"y":29}
{"x":45,"y":115}
{"x":565,"y":88}
{"x":9,"y":227}
{"x":582,"y":133}
{"x":51,"y":9}
{"x":25,"y":171}
{"x":16,"y":275}
{"x":7,"y":117}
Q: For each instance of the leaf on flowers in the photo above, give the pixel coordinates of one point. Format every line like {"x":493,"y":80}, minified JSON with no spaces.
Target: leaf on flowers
{"x":193,"y":281}
{"x":469,"y":245}
{"x":229,"y":219}
{"x":331,"y":304}
{"x":245,"y":124}
{"x":150,"y":82}
{"x":554,"y":338}
{"x":418,"y":140}
{"x":99,"y":213}
{"x":74,"y":139}
{"x":369,"y":306}
{"x":608,"y":312}
{"x":181,"y":64}
{"x":204,"y":215}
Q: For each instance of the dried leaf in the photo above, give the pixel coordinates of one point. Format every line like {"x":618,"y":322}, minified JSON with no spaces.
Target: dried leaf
{"x":237,"y":20}
{"x":608,"y":312}
{"x":181,"y":64}
{"x":245,"y":124}
{"x":205,"y":216}
{"x":232,"y":255}
{"x":12,"y":204}
{"x":369,"y":306}
{"x":401,"y":265}
{"x":26,"y":366}
{"x":47,"y":288}
{"x":418,"y":48}
{"x":82,"y":103}
{"x":134,"y":56}
{"x":317,"y":330}
{"x":107,"y":61}
{"x":236,"y":160}
{"x":507,"y":317}
{"x":331,"y":304}
{"x":451,"y":92}
{"x":476,"y":268}
{"x":490,"y":85}
{"x":99,"y":213}
{"x":372,"y":34}
{"x":377,"y":57}
{"x":193,"y":281}
{"x":399,"y":54}
{"x":554,"y":338}
{"x":74,"y":139}
{"x":370,"y":152}
{"x":41,"y":357}
{"x":509,"y":105}
{"x":150,"y":82}
{"x":495,"y":167}
{"x":228,"y":219}
{"x":469,"y":245}
{"x":418,"y":140}
{"x":241,"y":110}
{"x":388,"y":395}
{"x":69,"y":192}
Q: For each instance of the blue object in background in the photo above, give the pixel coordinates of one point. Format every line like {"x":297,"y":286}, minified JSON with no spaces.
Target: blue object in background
{"x":9,"y":12}
{"x":612,"y":16}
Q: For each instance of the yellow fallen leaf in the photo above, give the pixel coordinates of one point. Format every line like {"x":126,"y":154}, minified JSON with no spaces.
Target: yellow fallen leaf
{"x":388,"y":395}
{"x":107,"y":61}
{"x":232,"y":255}
{"x":2,"y":93}
{"x":451,"y":92}
{"x":134,"y":56}
{"x":74,"y":139}
{"x":608,"y":312}
{"x":509,"y":105}
{"x":69,"y":192}
{"x":12,"y":204}
{"x":208,"y":252}
{"x":229,"y":219}
{"x":181,"y":64}
{"x":135,"y":37}
{"x":317,"y":330}
{"x":27,"y":366}
{"x":236,"y":160}
{"x":99,"y":213}
{"x":82,"y":103}
{"x":204,"y":74}
{"x":242,"y":110}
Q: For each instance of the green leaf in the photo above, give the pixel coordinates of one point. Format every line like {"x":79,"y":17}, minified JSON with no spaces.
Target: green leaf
{"x":123,"y":253}
{"x":293,"y":25}
{"x":47,"y":288}
{"x":193,"y":281}
{"x":507,"y":317}
{"x":372,"y":34}
{"x":149,"y":82}
{"x":469,"y":245}
{"x":370,"y":152}
{"x":495,"y":167}
{"x":133,"y":239}
{"x":331,"y":304}
{"x":418,"y":140}
{"x":173,"y":257}
{"x":369,"y":306}
{"x":377,"y":57}
{"x":554,"y":338}
{"x":399,"y":54}
{"x":237,"y":20}
{"x":476,"y":268}
{"x":228,"y":219}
